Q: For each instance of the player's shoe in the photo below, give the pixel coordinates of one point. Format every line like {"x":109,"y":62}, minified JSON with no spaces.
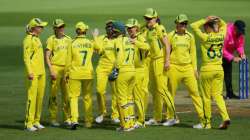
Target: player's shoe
{"x":201,"y":126}
{"x":116,"y":120}
{"x":67,"y":123}
{"x":55,"y":124}
{"x":121,"y":129}
{"x":171,"y":122}
{"x":138,"y":125}
{"x":74,"y":125}
{"x":99,"y":119}
{"x":225,"y":124}
{"x":39,"y":126}
{"x":152,"y":122}
{"x":31,"y":129}
{"x":177,"y":120}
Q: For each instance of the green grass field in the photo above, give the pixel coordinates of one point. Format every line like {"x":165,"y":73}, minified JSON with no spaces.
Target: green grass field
{"x":15,"y":14}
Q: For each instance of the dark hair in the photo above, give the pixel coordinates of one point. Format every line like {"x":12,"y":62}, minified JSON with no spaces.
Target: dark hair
{"x":158,"y":20}
{"x":211,"y":24}
{"x":240,"y":25}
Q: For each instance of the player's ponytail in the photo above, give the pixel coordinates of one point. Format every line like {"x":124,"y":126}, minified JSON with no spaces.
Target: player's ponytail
{"x":27,"y":29}
{"x":158,"y":20}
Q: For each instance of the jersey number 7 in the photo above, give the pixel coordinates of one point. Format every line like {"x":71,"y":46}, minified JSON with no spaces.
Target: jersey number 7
{"x":84,"y":56}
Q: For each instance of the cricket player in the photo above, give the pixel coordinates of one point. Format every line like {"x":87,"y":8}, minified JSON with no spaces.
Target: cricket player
{"x":124,"y":73}
{"x":141,"y":53}
{"x":160,"y":62}
{"x":183,"y":63}
{"x":211,"y":72}
{"x":79,"y":75}
{"x":106,"y":50}
{"x":35,"y":74}
{"x":56,"y":54}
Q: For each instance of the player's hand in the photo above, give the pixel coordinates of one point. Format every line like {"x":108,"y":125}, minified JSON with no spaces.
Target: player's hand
{"x":236,"y":59}
{"x":95,"y":33}
{"x":167,"y":65}
{"x":53,"y":75}
{"x":243,"y":56}
{"x":212,"y":18}
{"x":31,"y":76}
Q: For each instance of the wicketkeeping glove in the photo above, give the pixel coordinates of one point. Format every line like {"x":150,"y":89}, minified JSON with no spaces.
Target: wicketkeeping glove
{"x":114,"y":74}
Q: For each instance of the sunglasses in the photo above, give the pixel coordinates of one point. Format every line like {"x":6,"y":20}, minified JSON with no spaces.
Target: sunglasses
{"x":147,"y":18}
{"x":184,"y":23}
{"x":130,"y":28}
{"x":60,"y":27}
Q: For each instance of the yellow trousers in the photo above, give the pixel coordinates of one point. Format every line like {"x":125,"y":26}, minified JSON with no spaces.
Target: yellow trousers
{"x":146,"y":89}
{"x":211,"y":84}
{"x":58,"y":85}
{"x":124,"y":86}
{"x":102,"y":80}
{"x":140,"y":93}
{"x":185,"y":74}
{"x":76,"y":86}
{"x":161,"y":95}
{"x":35,"y":93}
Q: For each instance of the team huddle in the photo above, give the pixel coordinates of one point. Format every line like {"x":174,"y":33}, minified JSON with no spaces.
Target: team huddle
{"x":133,"y":58}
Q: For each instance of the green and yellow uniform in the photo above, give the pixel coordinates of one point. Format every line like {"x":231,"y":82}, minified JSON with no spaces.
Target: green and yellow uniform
{"x":34,"y":64}
{"x":183,"y":65}
{"x":141,"y":77}
{"x":58,"y":48}
{"x":125,"y":81}
{"x":106,"y":50}
{"x":154,"y":37}
{"x":211,"y":82}
{"x":80,"y":72}
{"x":149,"y":87}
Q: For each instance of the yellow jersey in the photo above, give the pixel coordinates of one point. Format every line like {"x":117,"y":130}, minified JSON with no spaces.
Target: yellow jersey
{"x":183,"y":49}
{"x":58,"y":48}
{"x":141,"y":51}
{"x":125,"y":53}
{"x":154,"y":37}
{"x":211,"y":46}
{"x":79,"y":59}
{"x":33,"y":55}
{"x":106,"y":50}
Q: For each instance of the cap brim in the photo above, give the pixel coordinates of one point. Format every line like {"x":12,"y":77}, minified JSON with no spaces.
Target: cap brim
{"x":60,"y":25}
{"x":130,"y":25}
{"x":43,"y":24}
{"x":109,"y":21}
{"x":148,"y":16}
{"x":182,"y":21}
{"x":82,"y":29}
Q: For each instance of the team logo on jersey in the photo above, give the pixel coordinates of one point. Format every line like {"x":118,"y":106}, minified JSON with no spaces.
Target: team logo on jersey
{"x":60,"y":48}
